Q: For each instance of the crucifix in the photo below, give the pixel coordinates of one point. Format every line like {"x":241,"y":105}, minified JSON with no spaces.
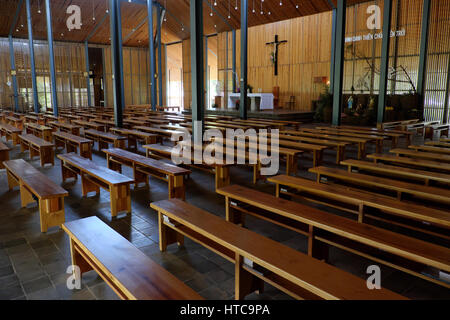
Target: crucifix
{"x":276,"y":43}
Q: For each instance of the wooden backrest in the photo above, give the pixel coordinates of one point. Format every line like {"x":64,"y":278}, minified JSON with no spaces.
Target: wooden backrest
{"x":161,"y":166}
{"x":417,"y":250}
{"x":350,"y":196}
{"x":136,"y":275}
{"x":315,"y":276}
{"x":36,"y":182}
{"x":388,"y":184}
{"x":104,"y":174}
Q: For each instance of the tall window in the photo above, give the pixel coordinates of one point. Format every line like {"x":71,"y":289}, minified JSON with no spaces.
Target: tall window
{"x":174,"y":75}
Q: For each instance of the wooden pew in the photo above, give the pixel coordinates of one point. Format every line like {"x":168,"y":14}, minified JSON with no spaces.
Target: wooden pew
{"x":397,"y":124}
{"x":108,"y":124}
{"x":411,"y":162}
{"x":436,"y":131}
{"x":94,"y":177}
{"x":4,"y":154}
{"x":158,"y":131}
{"x":408,"y":135}
{"x":339,"y":146}
{"x":421,"y":155}
{"x":73,"y":143}
{"x":365,"y":205}
{"x":394,"y":136}
{"x":431,"y":149}
{"x":395,"y":250}
{"x":127,"y":270}
{"x":39,"y":131}
{"x":16,"y":122}
{"x":134,"y":136}
{"x":105,"y":138}
{"x":398,"y":187}
{"x":388,"y":170}
{"x":65,"y":127}
{"x":10,"y":133}
{"x":361,"y":143}
{"x":258,"y":259}
{"x":38,"y":147}
{"x":89,"y":125}
{"x":144,"y":167}
{"x":49,"y":195}
{"x":439,"y":144}
{"x":378,"y":140}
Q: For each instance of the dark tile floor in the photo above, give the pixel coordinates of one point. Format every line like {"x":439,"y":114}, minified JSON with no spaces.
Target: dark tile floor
{"x":33,"y":265}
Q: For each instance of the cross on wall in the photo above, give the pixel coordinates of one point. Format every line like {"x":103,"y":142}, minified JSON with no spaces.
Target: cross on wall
{"x":276,"y":43}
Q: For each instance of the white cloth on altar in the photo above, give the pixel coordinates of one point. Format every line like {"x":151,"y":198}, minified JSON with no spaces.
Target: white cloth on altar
{"x":266,"y":100}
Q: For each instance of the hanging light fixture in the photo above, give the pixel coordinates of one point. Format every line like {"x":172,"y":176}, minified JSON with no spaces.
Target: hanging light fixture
{"x":107,"y":7}
{"x":210,"y":6}
{"x":253,"y":6}
{"x":93,"y":11}
{"x":215,"y":3}
{"x":39,"y":7}
{"x":235,"y":6}
{"x":229,"y":13}
{"x":262,"y":12}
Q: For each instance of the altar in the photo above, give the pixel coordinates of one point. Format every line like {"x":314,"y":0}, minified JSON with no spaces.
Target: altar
{"x":259,"y":101}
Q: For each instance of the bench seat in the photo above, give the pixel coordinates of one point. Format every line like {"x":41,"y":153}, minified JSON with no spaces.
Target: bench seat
{"x":427,"y":164}
{"x":259,"y":259}
{"x":322,"y":228}
{"x":4,"y":154}
{"x":143,"y":167}
{"x":38,"y":147}
{"x":421,"y":155}
{"x":390,"y":185}
{"x":32,"y":182}
{"x":105,"y":138}
{"x":11,"y":133}
{"x":94,"y":177}
{"x":127,"y":270}
{"x":404,"y":214}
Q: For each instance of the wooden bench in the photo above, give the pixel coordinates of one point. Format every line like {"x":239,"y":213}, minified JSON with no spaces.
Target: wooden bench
{"x":421,"y":155}
{"x":11,"y":133}
{"x":38,"y":147}
{"x":408,"y":135}
{"x":388,"y":170}
{"x":439,"y":144}
{"x":65,"y":127}
{"x":361,"y":143}
{"x":397,"y":124}
{"x":437,"y":131}
{"x":143,"y":167}
{"x":158,"y":131}
{"x":339,"y":146}
{"x":105,"y":138}
{"x":127,"y":270}
{"x":94,"y":177}
{"x":134,"y":136}
{"x":49,"y":195}
{"x":411,"y":162}
{"x":89,"y":125}
{"x":394,"y":136}
{"x":431,"y":149}
{"x":395,"y":250}
{"x":16,"y":122}
{"x":398,"y":187}
{"x":365,"y":205}
{"x":73,"y":143}
{"x":39,"y":131}
{"x":108,"y":124}
{"x":4,"y":154}
{"x":378,"y":140}
{"x":258,"y":259}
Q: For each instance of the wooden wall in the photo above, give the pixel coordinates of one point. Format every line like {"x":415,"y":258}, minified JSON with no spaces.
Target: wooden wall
{"x":187,"y":74}
{"x":304,"y":57}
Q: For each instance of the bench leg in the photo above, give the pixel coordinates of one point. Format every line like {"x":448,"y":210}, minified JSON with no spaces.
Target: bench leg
{"x":4,"y":156}
{"x":140,"y":177}
{"x":120,"y":199}
{"x":317,"y":158}
{"x":176,"y":187}
{"x":26,"y":197}
{"x":245,"y":282}
{"x":232,"y":215}
{"x":12,"y":181}
{"x":361,"y":150}
{"x":222,"y":176}
{"x":88,"y":186}
{"x":257,"y":173}
{"x":79,"y":261}
{"x":340,"y":156}
{"x":47,"y":156}
{"x":86,"y":151}
{"x":51,"y":213}
{"x":67,"y":173}
{"x":167,"y":235}
{"x":379,"y":146}
{"x":316,"y":248}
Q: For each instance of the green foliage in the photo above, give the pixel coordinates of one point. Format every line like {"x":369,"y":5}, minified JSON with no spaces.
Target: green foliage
{"x":324,"y":105}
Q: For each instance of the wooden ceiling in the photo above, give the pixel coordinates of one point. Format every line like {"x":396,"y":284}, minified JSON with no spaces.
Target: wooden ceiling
{"x":134,"y":18}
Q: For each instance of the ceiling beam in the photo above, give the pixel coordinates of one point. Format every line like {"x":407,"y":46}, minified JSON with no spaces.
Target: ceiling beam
{"x":91,"y":34}
{"x":128,"y":36}
{"x":16,"y":17}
